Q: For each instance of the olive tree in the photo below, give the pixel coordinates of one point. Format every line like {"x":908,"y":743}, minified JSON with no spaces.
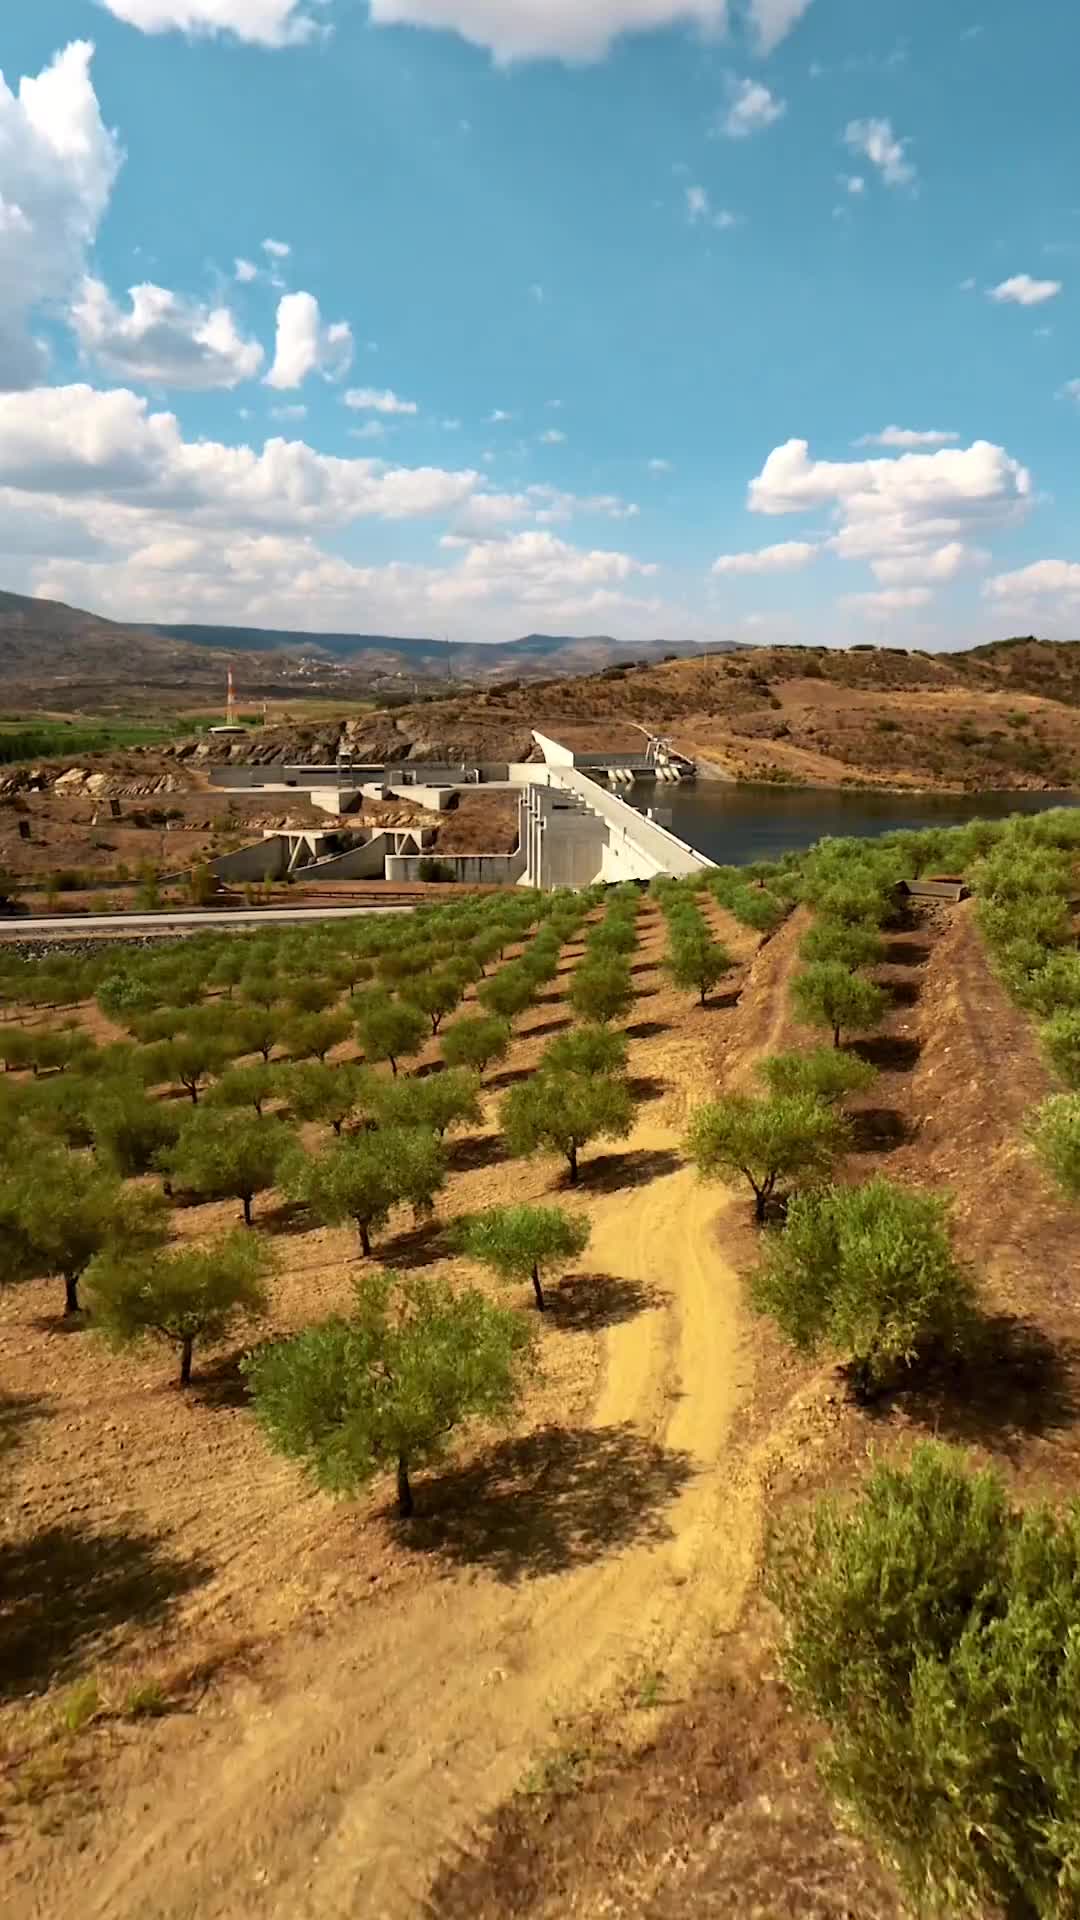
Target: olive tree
{"x":189,"y":1061}
{"x":386,"y":1388}
{"x":314,"y":1090}
{"x":563,"y":1112}
{"x":834,"y":942}
{"x":698,"y":962}
{"x":476,"y":1041}
{"x":821,"y":1071}
{"x":602,"y":990}
{"x":363,"y":1176}
{"x":507,"y":992}
{"x":439,"y":1101}
{"x":587,"y":1050}
{"x":130,"y":1131}
{"x":390,"y":1030}
{"x":314,"y":1035}
{"x":180,"y":1294}
{"x":436,"y":994}
{"x":69,"y":1209}
{"x":250,"y":1086}
{"x":868,"y":1271}
{"x":522,"y":1243}
{"x":222,"y":1155}
{"x":785,"y":1137}
{"x":828,"y":995}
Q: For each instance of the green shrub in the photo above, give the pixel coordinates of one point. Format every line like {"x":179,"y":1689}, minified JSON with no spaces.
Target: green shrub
{"x":821,"y":1071}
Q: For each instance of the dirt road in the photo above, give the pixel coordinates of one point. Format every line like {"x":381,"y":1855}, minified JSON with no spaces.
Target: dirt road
{"x":376,"y":1758}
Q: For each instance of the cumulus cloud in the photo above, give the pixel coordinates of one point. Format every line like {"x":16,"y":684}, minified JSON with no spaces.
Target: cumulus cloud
{"x":787,"y":557}
{"x":907,"y":437}
{"x":659,"y":466}
{"x":374,"y":400}
{"x":1022,"y":291}
{"x":77,"y":441}
{"x":304,"y":345}
{"x":552,"y":438}
{"x":277,"y":249}
{"x":553,"y":29}
{"x":536,"y":565}
{"x":163,"y":339}
{"x":264,"y":23}
{"x":888,"y":511}
{"x":58,"y":163}
{"x":1041,"y":579}
{"x":939,"y":564}
{"x":751,"y":109}
{"x":889,"y":600}
{"x":877,"y":142}
{"x":245,"y":270}
{"x":698,"y":207}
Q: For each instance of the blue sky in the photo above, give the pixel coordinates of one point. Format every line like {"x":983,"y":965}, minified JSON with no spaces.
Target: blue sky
{"x":665,"y":318}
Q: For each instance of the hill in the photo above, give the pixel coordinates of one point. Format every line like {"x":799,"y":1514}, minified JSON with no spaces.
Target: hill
{"x":813,"y":716}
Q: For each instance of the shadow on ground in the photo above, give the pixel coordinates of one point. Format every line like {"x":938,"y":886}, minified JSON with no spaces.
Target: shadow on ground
{"x":877,"y":1130}
{"x":889,"y":1052}
{"x":1014,"y":1382}
{"x":69,"y":1588}
{"x":906,"y":953}
{"x":545,"y":1026}
{"x":647,"y":1086}
{"x":608,"y":1172}
{"x":474,"y":1150}
{"x":647,"y":1029}
{"x":588,"y":1302}
{"x":549,"y":1501}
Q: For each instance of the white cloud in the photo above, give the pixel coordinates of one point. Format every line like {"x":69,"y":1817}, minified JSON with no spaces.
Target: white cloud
{"x":891,"y":510}
{"x":264,"y":23}
{"x":788,"y":557}
{"x":907,"y":437}
{"x":942,"y":563}
{"x":245,"y":270}
{"x":853,"y":182}
{"x":536,"y":565}
{"x":552,"y":438}
{"x":304,"y":345}
{"x":698,"y":207}
{"x":78,"y":443}
{"x":163,"y":340}
{"x":1043,"y":577}
{"x":58,"y":163}
{"x":1023,"y":291}
{"x":889,"y":600}
{"x":498,"y":417}
{"x":1072,"y":390}
{"x":371,"y":430}
{"x":277,"y":249}
{"x":659,"y":466}
{"x":551,"y":29}
{"x":876,"y":140}
{"x":376,"y":400}
{"x":773,"y":20}
{"x":751,"y":109}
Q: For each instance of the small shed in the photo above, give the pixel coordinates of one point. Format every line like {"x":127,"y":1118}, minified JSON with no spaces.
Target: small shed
{"x":949,"y":889}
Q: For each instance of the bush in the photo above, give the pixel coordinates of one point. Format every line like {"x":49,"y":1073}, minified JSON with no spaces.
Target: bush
{"x":833,"y":942}
{"x":518,"y":1243}
{"x":868,"y":1271}
{"x":935,"y":1632}
{"x":1054,"y":1132}
{"x":821,"y":1071}
{"x":180,"y":1295}
{"x":766,"y":1141}
{"x":387,"y":1387}
{"x":1061,"y":1045}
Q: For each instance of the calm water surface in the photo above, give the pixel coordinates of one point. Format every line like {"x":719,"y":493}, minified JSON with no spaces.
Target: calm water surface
{"x":735,"y":824}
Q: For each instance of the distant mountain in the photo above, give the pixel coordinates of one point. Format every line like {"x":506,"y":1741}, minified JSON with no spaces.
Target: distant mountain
{"x":560,"y":653}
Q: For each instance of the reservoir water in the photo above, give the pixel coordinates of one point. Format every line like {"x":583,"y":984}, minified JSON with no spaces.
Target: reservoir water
{"x":733,"y":824}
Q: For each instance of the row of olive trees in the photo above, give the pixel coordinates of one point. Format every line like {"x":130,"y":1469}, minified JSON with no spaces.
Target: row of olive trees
{"x":695,"y":960}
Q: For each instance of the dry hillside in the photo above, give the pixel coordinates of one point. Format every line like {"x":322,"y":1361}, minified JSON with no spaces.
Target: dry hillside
{"x":1001,"y":716}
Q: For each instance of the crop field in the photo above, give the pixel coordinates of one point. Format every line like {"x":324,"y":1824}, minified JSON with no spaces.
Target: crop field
{"x":427,"y":1345}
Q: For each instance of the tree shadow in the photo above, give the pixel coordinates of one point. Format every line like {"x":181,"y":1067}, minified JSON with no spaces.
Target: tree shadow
{"x":647,"y":1029}
{"x":415,"y":1246}
{"x":644,"y":966}
{"x":889,"y":1052}
{"x":549,"y":1501}
{"x":510,"y":1077}
{"x":1011,"y":1383}
{"x":906,"y":953}
{"x":903,"y":993}
{"x":877,"y":1130}
{"x":220,"y":1385}
{"x":647,"y":1086}
{"x":59,"y":1324}
{"x":289,"y":1216}
{"x":609,"y":1172}
{"x":68,"y":1590}
{"x":474,"y":1150}
{"x":545,"y":1026}
{"x":19,"y":1410}
{"x":719,"y":1002}
{"x":588,"y":1302}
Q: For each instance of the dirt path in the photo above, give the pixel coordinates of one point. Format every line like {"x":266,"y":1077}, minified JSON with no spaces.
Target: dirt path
{"x":374,"y":1758}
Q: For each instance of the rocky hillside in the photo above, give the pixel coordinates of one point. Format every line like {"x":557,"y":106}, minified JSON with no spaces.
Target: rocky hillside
{"x":1002,"y":716}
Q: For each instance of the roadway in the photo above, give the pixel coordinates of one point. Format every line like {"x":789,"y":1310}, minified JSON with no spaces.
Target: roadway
{"x":172,"y":922}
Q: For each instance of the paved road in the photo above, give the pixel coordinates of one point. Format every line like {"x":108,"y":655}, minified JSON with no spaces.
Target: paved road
{"x":91,"y":923}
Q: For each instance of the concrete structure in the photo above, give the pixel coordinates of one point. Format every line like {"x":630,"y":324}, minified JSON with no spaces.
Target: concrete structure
{"x":308,"y":854}
{"x":572,"y":829}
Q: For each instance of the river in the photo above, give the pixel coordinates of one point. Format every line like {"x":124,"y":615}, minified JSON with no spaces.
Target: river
{"x":733,"y":824}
